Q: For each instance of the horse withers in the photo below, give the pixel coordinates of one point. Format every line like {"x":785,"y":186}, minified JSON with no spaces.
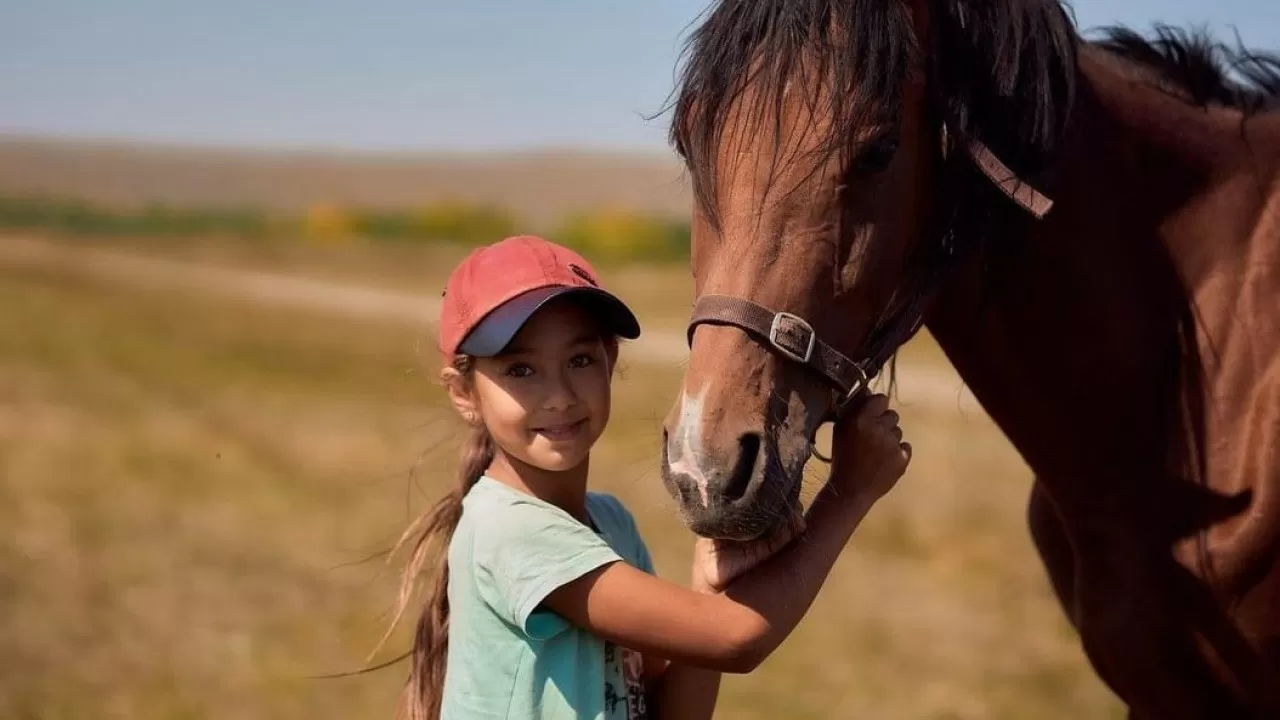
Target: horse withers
{"x":1090,"y":229}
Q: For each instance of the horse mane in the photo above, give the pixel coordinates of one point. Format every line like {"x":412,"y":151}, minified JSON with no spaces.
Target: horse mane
{"x":1008,"y":77}
{"x":1195,"y":67}
{"x":1002,"y":72}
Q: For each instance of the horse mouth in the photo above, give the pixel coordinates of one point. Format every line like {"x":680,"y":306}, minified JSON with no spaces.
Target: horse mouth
{"x":757,"y":495}
{"x":776,"y":507}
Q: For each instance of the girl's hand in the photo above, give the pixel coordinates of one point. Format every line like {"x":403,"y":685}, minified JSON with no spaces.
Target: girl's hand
{"x":868,"y":454}
{"x":868,"y":458}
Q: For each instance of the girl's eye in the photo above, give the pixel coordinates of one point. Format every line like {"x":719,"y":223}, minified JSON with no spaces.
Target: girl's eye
{"x":519,"y":370}
{"x":581,"y":361}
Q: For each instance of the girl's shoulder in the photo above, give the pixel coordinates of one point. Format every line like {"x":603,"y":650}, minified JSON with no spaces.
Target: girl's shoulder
{"x":496,"y":516}
{"x":492,"y":508}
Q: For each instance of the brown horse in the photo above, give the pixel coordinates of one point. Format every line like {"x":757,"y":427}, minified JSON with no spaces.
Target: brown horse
{"x":1091,"y":230}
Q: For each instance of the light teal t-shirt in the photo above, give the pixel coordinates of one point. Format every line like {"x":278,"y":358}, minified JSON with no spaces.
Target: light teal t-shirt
{"x":510,"y":658}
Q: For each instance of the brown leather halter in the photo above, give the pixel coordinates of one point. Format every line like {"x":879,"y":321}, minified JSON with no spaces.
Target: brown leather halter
{"x":795,"y":339}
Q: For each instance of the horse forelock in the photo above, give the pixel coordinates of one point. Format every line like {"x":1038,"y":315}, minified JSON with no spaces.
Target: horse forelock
{"x":749,"y":64}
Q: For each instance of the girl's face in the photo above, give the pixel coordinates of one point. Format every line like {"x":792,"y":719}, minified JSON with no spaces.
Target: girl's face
{"x":546,"y":400}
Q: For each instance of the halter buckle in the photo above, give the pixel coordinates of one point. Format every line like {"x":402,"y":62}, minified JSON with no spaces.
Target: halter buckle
{"x":776,"y":326}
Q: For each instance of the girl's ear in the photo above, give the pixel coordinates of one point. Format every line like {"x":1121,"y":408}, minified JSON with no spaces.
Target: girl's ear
{"x":461,"y":395}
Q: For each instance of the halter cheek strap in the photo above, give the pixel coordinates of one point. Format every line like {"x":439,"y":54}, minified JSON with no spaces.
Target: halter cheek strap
{"x":1017,"y":190}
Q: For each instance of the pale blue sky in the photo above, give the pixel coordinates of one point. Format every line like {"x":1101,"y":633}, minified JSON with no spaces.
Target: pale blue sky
{"x":393,"y":74}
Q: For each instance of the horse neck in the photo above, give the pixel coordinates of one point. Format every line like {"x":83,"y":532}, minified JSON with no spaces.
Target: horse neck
{"x":1082,"y":347}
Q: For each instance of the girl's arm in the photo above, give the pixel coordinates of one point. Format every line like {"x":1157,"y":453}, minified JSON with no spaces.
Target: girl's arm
{"x":729,"y":632}
{"x":685,"y":692}
{"x":734,"y":631}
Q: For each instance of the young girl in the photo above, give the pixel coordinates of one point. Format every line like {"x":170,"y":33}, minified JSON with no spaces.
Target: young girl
{"x":547,"y":606}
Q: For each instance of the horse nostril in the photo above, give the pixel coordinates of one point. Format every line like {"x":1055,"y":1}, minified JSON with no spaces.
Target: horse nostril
{"x":740,"y":481}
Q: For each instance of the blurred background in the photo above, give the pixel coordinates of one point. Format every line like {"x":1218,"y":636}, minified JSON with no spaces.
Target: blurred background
{"x":223,"y":232}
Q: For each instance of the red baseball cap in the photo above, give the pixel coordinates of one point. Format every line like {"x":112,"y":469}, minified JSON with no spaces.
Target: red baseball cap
{"x":494,"y":291}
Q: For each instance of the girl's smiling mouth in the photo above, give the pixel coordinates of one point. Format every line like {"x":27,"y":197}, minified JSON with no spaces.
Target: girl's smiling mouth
{"x":563,"y":431}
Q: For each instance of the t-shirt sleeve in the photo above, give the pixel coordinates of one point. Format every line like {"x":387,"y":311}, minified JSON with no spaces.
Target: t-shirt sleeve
{"x":524,"y":552}
{"x":644,"y":562}
{"x":622,"y":525}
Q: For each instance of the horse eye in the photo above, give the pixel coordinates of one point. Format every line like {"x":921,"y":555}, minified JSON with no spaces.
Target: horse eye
{"x":876,"y":156}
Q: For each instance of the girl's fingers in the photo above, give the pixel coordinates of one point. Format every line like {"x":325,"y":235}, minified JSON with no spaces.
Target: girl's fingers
{"x":875,"y":406}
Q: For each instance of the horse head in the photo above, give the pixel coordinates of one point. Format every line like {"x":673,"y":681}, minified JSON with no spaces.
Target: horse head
{"x":834,"y":148}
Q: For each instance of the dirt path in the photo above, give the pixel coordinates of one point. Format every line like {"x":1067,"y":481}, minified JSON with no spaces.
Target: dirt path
{"x":939,"y":388}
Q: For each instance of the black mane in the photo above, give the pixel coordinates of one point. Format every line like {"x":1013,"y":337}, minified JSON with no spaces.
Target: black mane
{"x":1203,"y":71}
{"x":1003,"y":72}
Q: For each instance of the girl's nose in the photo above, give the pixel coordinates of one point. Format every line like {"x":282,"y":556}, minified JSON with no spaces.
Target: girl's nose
{"x":561,"y":395}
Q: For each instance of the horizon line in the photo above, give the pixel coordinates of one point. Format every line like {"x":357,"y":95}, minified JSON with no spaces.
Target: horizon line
{"x":156,"y":142}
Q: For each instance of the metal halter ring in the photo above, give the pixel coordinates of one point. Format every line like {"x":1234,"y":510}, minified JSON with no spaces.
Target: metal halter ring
{"x":813,"y":450}
{"x":860,"y":385}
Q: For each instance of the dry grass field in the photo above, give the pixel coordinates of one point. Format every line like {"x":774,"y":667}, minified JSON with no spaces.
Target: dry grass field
{"x":197,"y":487}
{"x":195,"y":491}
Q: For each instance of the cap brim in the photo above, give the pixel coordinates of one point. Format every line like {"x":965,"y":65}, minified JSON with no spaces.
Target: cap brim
{"x":492,"y":334}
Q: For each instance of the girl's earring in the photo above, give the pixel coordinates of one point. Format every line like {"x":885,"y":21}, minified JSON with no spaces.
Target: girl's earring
{"x":470,"y":417}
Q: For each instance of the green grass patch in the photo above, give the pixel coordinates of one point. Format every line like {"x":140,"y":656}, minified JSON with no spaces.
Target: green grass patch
{"x":609,"y":235}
